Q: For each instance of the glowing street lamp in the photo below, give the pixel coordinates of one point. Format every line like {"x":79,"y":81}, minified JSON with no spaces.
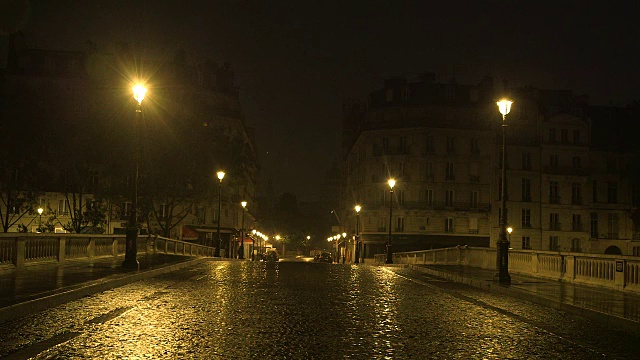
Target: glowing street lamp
{"x":40,"y":210}
{"x":392,"y":183}
{"x":502,"y":247}
{"x":218,"y":241}
{"x":131,"y":247}
{"x":357,"y":254}
{"x":241,"y":248}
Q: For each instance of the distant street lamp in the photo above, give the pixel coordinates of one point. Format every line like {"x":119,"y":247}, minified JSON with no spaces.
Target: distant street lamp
{"x":40,"y":210}
{"x":392,"y":183}
{"x":357,"y":254}
{"x":509,"y":231}
{"x":253,"y":245}
{"x":241,"y":248}
{"x":219,"y":240}
{"x":344,"y":246}
{"x":502,"y":246}
{"x":131,"y":247}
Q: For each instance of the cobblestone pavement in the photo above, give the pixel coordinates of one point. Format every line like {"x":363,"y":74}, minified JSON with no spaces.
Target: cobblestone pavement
{"x":245,"y":310}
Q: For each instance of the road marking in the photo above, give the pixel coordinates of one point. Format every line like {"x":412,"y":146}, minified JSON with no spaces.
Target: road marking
{"x":37,"y":348}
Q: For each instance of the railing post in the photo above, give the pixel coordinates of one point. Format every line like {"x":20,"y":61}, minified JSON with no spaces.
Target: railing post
{"x":570,"y":267}
{"x":114,"y":246}
{"x":91,"y":251}
{"x":535,"y":262}
{"x":62,"y":249}
{"x":19,"y":255}
{"x":620,"y":271}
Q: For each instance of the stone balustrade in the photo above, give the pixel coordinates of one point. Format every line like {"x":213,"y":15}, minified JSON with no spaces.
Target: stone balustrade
{"x":19,"y":250}
{"x":610,"y":271}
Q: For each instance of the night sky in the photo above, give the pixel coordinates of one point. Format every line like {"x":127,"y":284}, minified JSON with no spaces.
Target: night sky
{"x":297,"y":61}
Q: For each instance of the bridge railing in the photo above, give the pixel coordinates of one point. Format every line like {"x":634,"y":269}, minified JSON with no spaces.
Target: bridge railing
{"x":610,"y":271}
{"x":17,"y":251}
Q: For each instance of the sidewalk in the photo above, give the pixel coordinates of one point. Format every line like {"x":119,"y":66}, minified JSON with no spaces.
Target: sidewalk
{"x":605,"y":305}
{"x":41,"y":286}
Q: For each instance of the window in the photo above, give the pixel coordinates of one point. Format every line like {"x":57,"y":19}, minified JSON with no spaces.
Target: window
{"x":594,"y":190}
{"x":526,"y":161}
{"x":400,"y":169}
{"x":612,"y":224}
{"x":428,"y":197}
{"x":125,"y":210}
{"x":526,"y":190}
{"x":553,"y":243}
{"x":451,"y":144}
{"x":554,"y":198}
{"x":429,"y":146}
{"x":429,"y":170}
{"x":385,"y":144}
{"x":475,"y":146}
{"x":400,"y":196}
{"x":399,"y":224}
{"x":564,"y":136}
{"x":62,"y":207}
{"x":553,"y":161}
{"x":405,"y":93}
{"x":473,"y":225}
{"x":576,"y":224}
{"x":474,"y":172}
{"x":611,"y":165}
{"x":389,"y":95}
{"x":612,"y":192}
{"x":526,"y":218}
{"x":42,"y":203}
{"x":383,"y":196}
{"x":576,"y":194}
{"x":382,"y":223}
{"x":554,"y":221}
{"x":448,"y":225}
{"x":594,"y":225}
{"x":403,"y":145}
{"x":552,"y":135}
{"x":163,"y":211}
{"x":576,"y":163}
{"x":526,"y":242}
{"x":576,"y":136}
{"x":636,"y":251}
{"x":450,"y":175}
{"x":575,"y":245}
{"x":474,"y":199}
{"x":449,"y":198}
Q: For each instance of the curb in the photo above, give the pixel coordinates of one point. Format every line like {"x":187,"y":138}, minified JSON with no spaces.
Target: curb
{"x":533,"y":297}
{"x":31,"y":306}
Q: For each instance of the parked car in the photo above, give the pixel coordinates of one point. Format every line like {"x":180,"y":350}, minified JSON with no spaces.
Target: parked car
{"x":271,"y":256}
{"x":323,"y":257}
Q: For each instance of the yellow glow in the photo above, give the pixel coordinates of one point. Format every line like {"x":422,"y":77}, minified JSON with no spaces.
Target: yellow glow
{"x":308,"y":237}
{"x":392,"y":183}
{"x":40,"y":210}
{"x":253,"y":231}
{"x":139,"y":92}
{"x":344,"y":235}
{"x":358,"y":208}
{"x":505,"y":106}
{"x":329,"y":239}
{"x":509,"y":229}
{"x":220,"y":175}
{"x":277,"y":237}
{"x":244,"y":204}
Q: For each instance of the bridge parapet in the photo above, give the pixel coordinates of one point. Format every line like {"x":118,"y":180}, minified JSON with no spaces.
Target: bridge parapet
{"x":609,"y":271}
{"x":17,"y":251}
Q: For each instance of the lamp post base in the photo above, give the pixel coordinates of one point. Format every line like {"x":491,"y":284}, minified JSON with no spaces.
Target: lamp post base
{"x":389,"y":255}
{"x":241,"y":252}
{"x":131,"y":249}
{"x":502,"y":276}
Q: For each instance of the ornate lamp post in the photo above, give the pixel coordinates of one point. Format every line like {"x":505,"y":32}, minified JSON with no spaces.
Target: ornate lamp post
{"x":392,"y":183}
{"x":241,"y":248}
{"x":357,"y":254}
{"x":40,"y":210}
{"x":131,"y":246}
{"x":502,"y":247}
{"x":218,"y":240}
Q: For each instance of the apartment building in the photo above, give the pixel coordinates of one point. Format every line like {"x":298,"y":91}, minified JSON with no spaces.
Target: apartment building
{"x":442,"y":142}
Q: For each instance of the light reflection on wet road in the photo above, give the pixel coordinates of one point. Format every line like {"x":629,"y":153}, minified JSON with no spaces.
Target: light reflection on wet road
{"x":244,"y":310}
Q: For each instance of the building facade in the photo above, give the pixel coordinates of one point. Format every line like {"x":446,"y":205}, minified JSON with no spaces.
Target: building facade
{"x":442,"y":143}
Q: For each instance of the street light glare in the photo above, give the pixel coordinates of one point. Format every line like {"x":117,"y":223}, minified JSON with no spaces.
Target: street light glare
{"x":509,"y":229}
{"x":40,"y":210}
{"x":392,"y":183}
{"x":220,"y":175}
{"x":358,"y":208}
{"x":139,"y":92}
{"x":505,"y":106}
{"x":244,"y":204}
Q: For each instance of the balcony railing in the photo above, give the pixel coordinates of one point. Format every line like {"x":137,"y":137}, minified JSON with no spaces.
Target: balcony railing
{"x":566,"y":170}
{"x":435,"y":205}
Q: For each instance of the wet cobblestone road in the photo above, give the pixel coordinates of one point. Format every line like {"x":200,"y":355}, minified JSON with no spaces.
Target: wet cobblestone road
{"x":298,"y":310}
